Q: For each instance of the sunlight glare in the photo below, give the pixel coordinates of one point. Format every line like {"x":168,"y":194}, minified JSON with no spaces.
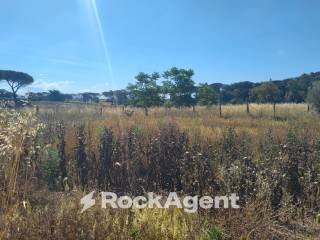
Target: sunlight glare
{"x":91,"y":6}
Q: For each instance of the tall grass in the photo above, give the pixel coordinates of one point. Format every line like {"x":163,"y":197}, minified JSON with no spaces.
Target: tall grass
{"x":50,"y":160}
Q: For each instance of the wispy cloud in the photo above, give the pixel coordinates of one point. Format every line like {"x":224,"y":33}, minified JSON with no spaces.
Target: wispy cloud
{"x":95,"y":88}
{"x":42,"y":85}
{"x":67,"y":61}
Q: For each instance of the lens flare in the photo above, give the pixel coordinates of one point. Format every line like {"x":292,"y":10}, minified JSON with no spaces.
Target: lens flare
{"x":92,"y":7}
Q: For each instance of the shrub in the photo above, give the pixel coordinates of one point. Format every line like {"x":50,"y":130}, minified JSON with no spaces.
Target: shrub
{"x":314,"y":96}
{"x":168,"y":104}
{"x":215,"y":233}
{"x":51,"y":168}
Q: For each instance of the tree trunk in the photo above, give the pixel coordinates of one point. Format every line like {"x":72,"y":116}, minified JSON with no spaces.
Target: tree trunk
{"x":146,"y":111}
{"x":14,"y":94}
{"x":193,"y":108}
{"x":248,"y":108}
{"x":274,"y":110}
{"x":15,"y":99}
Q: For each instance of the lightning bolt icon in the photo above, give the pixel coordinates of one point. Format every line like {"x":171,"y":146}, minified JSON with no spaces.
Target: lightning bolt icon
{"x":88,"y":201}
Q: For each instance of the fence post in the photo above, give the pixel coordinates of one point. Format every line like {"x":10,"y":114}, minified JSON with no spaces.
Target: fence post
{"x":56,"y":109}
{"x":37,"y":110}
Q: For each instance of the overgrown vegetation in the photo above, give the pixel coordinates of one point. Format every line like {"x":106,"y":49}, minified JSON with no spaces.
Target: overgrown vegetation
{"x":176,"y":87}
{"x":314,"y":96}
{"x":50,"y":161}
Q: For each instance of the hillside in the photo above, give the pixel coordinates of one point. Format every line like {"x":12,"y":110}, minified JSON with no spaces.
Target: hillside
{"x":292,"y":89}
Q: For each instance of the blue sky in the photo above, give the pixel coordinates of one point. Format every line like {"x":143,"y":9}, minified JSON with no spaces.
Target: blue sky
{"x":60,"y":44}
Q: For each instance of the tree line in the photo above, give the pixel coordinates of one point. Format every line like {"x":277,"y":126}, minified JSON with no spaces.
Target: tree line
{"x":176,"y":88}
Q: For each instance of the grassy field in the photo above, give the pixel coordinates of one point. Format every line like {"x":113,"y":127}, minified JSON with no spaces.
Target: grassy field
{"x":51,"y":156}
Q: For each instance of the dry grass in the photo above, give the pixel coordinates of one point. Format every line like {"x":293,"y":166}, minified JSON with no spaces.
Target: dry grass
{"x":251,"y":154}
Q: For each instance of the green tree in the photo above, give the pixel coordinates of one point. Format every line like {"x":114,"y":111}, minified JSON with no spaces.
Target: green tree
{"x":57,"y":96}
{"x":298,"y":89}
{"x":117,"y":97}
{"x":314,"y":96}
{"x":180,"y":86}
{"x":205,"y":95}
{"x":145,"y":92}
{"x":39,"y":96}
{"x":90,"y":97}
{"x":15,"y":80}
{"x":266,"y":93}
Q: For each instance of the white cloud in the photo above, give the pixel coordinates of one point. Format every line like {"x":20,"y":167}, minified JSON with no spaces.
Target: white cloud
{"x":42,"y":85}
{"x":95,"y":88}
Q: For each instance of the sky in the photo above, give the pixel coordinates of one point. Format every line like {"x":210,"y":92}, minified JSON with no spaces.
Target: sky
{"x":99,"y":45}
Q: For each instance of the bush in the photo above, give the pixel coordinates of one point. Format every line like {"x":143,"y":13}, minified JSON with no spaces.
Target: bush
{"x":314,"y":96}
{"x":168,"y":104}
{"x":215,"y":233}
{"x":51,"y":168}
